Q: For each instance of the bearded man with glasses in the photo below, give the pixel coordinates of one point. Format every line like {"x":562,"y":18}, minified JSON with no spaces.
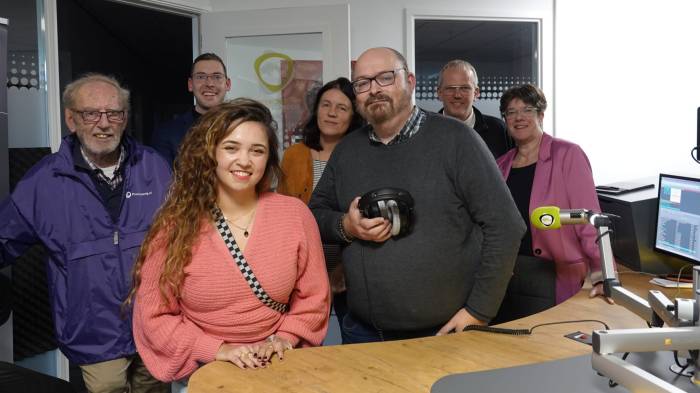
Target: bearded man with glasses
{"x":458,"y":88}
{"x":209,"y":83}
{"x":452,"y":268}
{"x":90,"y":205}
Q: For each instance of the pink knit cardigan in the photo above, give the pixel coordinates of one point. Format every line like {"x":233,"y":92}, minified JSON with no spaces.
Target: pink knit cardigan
{"x":217,"y":305}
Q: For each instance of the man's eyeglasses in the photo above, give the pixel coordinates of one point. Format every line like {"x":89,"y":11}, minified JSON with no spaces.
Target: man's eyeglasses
{"x":215,"y":77}
{"x":385,"y":78}
{"x":452,"y":90}
{"x":95,"y":116}
{"x":528,"y":111}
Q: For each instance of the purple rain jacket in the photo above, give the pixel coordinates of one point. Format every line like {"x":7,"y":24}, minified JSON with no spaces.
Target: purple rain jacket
{"x":90,"y":255}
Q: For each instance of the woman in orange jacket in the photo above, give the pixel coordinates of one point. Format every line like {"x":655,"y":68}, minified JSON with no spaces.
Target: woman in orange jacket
{"x":333,"y":116}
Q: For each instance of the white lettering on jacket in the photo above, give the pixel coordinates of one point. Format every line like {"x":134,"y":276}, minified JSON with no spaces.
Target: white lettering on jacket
{"x":130,"y":194}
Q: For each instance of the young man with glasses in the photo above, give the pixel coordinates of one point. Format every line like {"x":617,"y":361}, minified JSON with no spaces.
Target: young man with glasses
{"x":458,"y":88}
{"x":90,"y":205}
{"x":209,"y":83}
{"x":452,"y":268}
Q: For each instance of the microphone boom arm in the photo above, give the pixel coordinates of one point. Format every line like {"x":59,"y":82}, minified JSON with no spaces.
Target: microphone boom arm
{"x":611,"y":285}
{"x":657,"y":310}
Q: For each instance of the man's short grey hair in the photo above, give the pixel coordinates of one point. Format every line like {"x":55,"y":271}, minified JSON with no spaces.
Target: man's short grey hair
{"x":465,"y":65}
{"x":70,"y":92}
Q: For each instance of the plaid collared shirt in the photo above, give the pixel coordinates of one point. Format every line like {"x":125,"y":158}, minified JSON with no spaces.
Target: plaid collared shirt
{"x":413,"y":124}
{"x":117,"y":179}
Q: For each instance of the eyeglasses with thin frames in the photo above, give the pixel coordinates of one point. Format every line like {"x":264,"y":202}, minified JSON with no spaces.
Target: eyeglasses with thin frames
{"x":216,"y":77}
{"x":528,"y":111}
{"x":383,"y":79}
{"x":452,"y":90}
{"x":95,"y":116}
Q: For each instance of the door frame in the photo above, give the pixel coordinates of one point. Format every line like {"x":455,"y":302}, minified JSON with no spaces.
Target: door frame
{"x":191,"y":8}
{"x":332,"y":21}
{"x":544,"y":19}
{"x":49,"y":30}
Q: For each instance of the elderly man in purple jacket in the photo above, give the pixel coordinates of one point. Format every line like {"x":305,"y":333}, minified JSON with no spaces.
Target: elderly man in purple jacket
{"x":90,"y":204}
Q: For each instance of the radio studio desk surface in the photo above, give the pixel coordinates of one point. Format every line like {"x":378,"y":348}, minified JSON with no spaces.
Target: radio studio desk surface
{"x":415,"y":365}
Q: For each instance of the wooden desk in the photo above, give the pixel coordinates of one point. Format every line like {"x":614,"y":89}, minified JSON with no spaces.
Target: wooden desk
{"x":414,"y":365}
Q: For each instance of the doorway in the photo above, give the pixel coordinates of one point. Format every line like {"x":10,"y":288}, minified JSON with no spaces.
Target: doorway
{"x":148,"y":50}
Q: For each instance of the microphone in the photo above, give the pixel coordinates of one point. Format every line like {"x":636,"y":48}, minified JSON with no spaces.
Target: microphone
{"x":552,"y":217}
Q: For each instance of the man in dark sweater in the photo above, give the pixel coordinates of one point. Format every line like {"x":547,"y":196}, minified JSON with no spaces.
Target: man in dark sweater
{"x":209,"y":83}
{"x":458,"y":88}
{"x":452,"y":268}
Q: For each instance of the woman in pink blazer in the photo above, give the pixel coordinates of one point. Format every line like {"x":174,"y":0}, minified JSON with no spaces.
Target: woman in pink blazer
{"x":546,"y":171}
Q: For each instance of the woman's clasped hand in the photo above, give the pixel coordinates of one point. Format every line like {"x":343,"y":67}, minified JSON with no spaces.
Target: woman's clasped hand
{"x":254,"y":355}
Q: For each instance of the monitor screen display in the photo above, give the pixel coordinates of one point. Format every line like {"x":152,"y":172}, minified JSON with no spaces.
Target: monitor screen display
{"x":678,"y":217}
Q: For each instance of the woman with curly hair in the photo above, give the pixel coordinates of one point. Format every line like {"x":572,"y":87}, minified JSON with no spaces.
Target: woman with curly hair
{"x":229,"y":270}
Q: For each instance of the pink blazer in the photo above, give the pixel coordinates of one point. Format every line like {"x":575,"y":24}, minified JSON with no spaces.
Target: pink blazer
{"x":563,"y":178}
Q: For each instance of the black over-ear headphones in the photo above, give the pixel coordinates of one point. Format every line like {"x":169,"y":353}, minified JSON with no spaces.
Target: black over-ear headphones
{"x":394,"y":204}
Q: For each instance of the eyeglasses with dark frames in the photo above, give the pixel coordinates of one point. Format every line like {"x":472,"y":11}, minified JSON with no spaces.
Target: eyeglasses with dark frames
{"x":384,"y":78}
{"x":216,"y":77}
{"x":95,"y":116}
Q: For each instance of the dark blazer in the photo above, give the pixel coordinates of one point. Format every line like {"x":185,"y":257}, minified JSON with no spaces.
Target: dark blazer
{"x":493,"y":131}
{"x":166,"y":137}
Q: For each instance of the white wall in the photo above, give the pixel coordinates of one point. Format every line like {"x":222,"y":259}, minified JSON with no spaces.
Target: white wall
{"x":627,"y":84}
{"x":620,"y":75}
{"x":383,"y":23}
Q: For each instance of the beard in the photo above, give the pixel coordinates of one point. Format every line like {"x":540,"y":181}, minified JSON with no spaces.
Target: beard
{"x":380,"y":107}
{"x":101,"y":153}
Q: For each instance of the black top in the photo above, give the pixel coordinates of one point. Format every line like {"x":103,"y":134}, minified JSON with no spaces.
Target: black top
{"x":195,"y":115}
{"x":166,"y":138}
{"x":520,"y":184}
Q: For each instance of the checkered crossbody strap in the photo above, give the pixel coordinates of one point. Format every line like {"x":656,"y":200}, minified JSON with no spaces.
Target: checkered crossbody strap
{"x":242,"y":264}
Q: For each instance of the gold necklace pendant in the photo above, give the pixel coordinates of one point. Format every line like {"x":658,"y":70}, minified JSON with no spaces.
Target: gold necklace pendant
{"x":244,"y":229}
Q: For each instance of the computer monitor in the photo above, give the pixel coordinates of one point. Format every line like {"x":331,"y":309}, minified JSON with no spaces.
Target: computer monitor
{"x":678,"y":217}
